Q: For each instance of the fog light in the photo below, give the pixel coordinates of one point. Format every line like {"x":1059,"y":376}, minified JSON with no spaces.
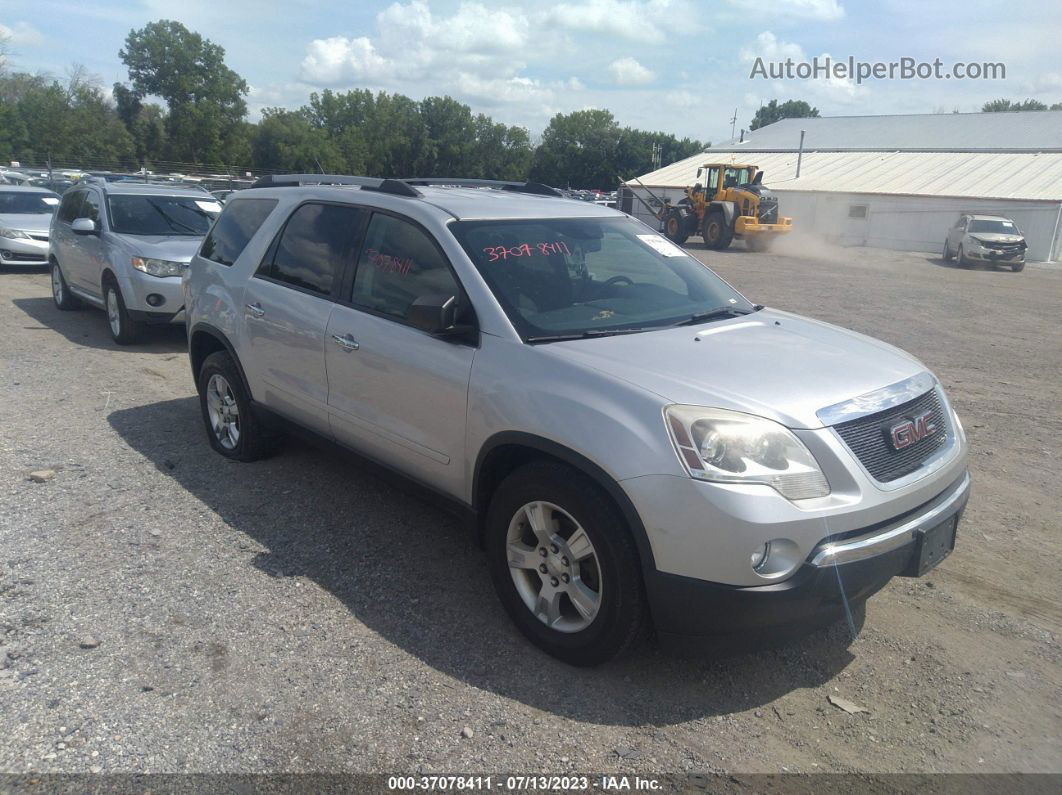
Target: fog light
{"x":154,"y":299}
{"x":760,"y":556}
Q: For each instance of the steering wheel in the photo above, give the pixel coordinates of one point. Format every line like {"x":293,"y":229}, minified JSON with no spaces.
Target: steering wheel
{"x":617,"y":280}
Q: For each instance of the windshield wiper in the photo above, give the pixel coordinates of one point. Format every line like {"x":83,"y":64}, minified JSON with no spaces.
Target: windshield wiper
{"x":173,"y":222}
{"x":716,"y":314}
{"x":590,"y":334}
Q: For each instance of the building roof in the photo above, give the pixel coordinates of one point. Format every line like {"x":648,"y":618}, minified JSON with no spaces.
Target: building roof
{"x":1004,"y":175}
{"x":1012,"y":131}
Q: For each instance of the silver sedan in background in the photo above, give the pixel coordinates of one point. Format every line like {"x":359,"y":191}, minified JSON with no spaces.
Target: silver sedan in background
{"x":25,"y":214}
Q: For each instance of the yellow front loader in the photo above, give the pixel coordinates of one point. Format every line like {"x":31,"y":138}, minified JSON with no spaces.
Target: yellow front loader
{"x":728,"y":201}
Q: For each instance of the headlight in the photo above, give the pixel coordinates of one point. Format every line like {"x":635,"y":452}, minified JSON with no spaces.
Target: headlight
{"x":730,"y":447}
{"x":158,"y":267}
{"x":13,"y":234}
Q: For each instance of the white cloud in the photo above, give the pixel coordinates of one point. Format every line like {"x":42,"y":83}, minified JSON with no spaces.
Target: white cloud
{"x":822,"y":10}
{"x":628,"y":72}
{"x":648,"y":21}
{"x":1045,"y":82}
{"x":21,"y":34}
{"x":339,"y":60}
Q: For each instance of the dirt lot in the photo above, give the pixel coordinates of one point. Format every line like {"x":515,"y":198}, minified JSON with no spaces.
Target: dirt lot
{"x":301,"y":614}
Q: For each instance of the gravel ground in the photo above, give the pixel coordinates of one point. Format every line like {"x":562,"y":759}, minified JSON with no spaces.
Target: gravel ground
{"x":162,"y":610}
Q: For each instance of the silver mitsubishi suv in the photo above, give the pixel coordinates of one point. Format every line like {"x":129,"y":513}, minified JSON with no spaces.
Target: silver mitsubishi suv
{"x":640,"y":448}
{"x":121,"y":246}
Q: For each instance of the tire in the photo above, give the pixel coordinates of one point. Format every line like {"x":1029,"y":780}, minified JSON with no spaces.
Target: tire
{"x":232,"y":427}
{"x":606,"y":579}
{"x":760,"y":243}
{"x":124,"y":330}
{"x":717,"y":233}
{"x":675,"y":227}
{"x":1018,"y":267}
{"x":960,"y":257}
{"x":946,"y":255}
{"x":61,"y":295}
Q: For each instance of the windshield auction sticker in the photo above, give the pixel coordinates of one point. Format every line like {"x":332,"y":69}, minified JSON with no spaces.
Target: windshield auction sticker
{"x":662,"y":245}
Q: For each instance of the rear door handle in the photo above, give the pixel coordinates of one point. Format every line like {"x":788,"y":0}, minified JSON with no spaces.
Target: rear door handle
{"x":255,"y":309}
{"x":346,"y":342}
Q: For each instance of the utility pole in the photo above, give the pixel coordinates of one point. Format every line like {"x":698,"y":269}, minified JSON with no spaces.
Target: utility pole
{"x":733,"y":124}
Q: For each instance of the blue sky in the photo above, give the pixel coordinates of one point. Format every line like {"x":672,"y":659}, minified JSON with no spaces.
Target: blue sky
{"x":681,"y":66}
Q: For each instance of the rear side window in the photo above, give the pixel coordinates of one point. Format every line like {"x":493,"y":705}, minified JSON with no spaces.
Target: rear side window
{"x":399,"y":263}
{"x":239,"y":221}
{"x":70,"y":205}
{"x":313,"y":247}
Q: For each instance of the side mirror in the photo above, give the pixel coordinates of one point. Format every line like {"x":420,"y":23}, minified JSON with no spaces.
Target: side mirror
{"x":84,"y":226}
{"x":434,"y":314}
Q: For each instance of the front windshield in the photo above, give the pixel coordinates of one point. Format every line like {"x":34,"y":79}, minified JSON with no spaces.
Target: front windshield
{"x":27,"y":203}
{"x":993,"y":227}
{"x":162,"y":215}
{"x":568,"y":277}
{"x":735,"y":176}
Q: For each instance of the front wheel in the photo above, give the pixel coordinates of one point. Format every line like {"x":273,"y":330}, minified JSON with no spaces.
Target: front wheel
{"x":231,"y":426}
{"x":946,"y":254}
{"x":565,"y":565}
{"x":1018,"y":267}
{"x":124,"y":330}
{"x":717,"y":233}
{"x":961,"y":257}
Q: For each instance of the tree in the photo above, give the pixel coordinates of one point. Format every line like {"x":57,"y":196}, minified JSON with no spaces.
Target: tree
{"x":790,"y":109}
{"x":1003,"y":105}
{"x":578,"y":149}
{"x":205,"y":97}
{"x":287,"y":140}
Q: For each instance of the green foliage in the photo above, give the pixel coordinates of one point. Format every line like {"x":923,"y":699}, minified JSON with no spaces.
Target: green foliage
{"x":204,"y":96}
{"x":588,"y":149}
{"x":790,"y":109}
{"x":41,"y":120}
{"x":1003,"y":105}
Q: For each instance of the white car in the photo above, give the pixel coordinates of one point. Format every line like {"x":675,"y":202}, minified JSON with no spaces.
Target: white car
{"x":985,"y":238}
{"x":25,"y":214}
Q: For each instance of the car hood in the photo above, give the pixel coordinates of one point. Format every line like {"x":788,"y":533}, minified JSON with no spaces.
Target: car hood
{"x":773,"y":364}
{"x":176,"y":248}
{"x":996,"y":237}
{"x":27,"y":222}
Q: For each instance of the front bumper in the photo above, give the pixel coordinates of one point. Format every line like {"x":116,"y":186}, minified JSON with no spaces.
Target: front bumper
{"x":140,"y":287}
{"x":20,"y":251}
{"x":991,"y":255}
{"x":839,"y":575}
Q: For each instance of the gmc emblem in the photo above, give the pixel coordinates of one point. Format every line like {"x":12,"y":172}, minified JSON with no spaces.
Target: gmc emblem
{"x":910,"y":430}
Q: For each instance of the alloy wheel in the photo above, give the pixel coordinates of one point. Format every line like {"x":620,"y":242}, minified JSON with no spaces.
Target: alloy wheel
{"x":114,"y":312}
{"x":554,"y":566}
{"x":223,"y":411}
{"x":57,"y":285}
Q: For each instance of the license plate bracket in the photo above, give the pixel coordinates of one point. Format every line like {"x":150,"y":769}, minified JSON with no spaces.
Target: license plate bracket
{"x":934,"y":544}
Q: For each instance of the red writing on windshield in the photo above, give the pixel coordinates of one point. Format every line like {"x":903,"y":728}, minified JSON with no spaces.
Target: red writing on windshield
{"x":495,"y":253}
{"x":386,"y":262}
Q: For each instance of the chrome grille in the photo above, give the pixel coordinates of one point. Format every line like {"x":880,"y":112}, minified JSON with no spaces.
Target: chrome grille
{"x":868,"y":438}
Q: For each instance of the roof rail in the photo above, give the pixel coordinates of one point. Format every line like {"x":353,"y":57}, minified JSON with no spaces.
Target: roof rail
{"x":500,"y":184}
{"x":393,"y":186}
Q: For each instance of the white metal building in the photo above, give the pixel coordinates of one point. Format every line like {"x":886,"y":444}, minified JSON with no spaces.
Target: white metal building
{"x":899,"y":182}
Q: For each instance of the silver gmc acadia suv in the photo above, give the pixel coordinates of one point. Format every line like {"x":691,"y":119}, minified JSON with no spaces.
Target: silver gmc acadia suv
{"x":640,"y":447}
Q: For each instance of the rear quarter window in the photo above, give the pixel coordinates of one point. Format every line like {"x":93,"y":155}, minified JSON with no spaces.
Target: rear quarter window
{"x":234,"y":229}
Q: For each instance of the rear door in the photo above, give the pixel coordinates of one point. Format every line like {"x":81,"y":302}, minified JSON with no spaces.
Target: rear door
{"x":65,"y":245}
{"x":286,"y":309}
{"x":395,"y":392}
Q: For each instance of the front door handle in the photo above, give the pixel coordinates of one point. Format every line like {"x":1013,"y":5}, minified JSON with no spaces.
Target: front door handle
{"x":346,"y":342}
{"x":255,"y":309}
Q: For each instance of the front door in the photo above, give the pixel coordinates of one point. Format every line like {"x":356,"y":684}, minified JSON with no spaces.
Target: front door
{"x":286,"y":308}
{"x":395,"y":392}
